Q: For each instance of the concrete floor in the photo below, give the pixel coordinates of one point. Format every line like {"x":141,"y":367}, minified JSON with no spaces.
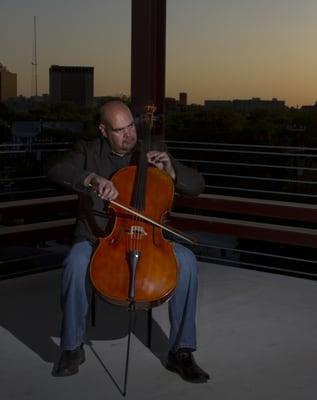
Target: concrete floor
{"x":257,"y":338}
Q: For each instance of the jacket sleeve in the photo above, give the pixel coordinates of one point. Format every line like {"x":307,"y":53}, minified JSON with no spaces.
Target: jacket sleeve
{"x":188,"y":180}
{"x":71,"y":171}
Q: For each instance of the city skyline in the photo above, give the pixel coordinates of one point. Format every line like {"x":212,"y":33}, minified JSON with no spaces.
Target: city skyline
{"x":214,"y":50}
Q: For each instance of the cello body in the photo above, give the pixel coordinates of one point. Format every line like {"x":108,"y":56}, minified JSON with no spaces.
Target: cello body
{"x":135,"y":264}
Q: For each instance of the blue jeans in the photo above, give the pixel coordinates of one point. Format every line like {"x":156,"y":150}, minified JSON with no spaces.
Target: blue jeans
{"x":75,"y":298}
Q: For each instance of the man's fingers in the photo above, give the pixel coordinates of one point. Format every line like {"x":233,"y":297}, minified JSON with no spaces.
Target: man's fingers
{"x":109,"y":192}
{"x":162,"y":161}
{"x":104,"y":188}
{"x":155,"y":157}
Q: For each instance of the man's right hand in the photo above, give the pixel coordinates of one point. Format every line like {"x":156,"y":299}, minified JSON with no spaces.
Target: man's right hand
{"x":102,"y":186}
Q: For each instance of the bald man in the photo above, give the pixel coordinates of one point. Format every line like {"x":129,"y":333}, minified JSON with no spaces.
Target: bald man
{"x":90,"y":166}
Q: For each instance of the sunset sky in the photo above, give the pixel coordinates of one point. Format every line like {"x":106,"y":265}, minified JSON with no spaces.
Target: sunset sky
{"x":216,"y":49}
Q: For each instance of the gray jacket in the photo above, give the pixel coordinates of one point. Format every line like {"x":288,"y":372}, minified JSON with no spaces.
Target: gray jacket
{"x":96,"y":156}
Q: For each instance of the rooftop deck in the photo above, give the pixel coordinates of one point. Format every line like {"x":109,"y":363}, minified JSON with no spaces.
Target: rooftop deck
{"x":257,"y":337}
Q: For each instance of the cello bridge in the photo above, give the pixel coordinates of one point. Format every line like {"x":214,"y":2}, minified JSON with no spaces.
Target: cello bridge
{"x":137,"y":230}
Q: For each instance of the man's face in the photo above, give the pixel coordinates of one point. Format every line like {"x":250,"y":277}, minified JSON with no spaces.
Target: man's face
{"x":120,"y":131}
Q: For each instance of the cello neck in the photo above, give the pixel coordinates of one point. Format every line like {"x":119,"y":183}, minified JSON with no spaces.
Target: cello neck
{"x":139,"y":193}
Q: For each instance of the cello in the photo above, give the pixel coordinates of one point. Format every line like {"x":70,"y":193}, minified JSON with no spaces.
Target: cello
{"x":135,"y":266}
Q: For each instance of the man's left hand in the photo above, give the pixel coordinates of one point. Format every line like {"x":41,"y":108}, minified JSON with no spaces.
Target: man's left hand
{"x":162,"y":161}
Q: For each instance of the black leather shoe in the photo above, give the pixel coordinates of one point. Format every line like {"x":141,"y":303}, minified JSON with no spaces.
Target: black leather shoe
{"x":185,"y":365}
{"x":69,"y":362}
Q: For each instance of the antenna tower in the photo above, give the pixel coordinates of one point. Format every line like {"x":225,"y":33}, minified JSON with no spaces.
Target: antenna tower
{"x":34,"y":62}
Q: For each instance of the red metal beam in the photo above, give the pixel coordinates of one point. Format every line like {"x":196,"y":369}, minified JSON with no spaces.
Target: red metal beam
{"x":294,"y":236}
{"x":148,"y":57}
{"x":244,"y":206}
{"x":272,"y":232}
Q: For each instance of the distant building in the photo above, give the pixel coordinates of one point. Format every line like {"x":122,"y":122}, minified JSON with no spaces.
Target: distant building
{"x":66,"y":126}
{"x":25,"y":104}
{"x":245,"y":105}
{"x":182,"y":99}
{"x":72,"y":84}
{"x":8,"y":84}
{"x":32,"y":131}
{"x":170,"y":104}
{"x":312,"y":107}
{"x":218,"y":104}
{"x":25,"y":129}
{"x":257,"y":104}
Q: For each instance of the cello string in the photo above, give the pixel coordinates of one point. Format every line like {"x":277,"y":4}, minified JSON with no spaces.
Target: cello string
{"x":141,"y":181}
{"x":145,"y":138}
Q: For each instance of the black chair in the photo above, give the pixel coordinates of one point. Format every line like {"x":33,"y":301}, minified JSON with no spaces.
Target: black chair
{"x":149,"y":318}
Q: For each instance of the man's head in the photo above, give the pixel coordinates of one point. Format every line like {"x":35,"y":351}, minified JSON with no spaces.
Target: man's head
{"x":117,"y":125}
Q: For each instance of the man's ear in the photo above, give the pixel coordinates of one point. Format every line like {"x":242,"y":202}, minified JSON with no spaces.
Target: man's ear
{"x":103,"y":130}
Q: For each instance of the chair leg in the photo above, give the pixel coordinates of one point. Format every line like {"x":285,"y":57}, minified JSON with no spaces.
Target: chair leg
{"x":149,"y":328}
{"x":93,"y":308}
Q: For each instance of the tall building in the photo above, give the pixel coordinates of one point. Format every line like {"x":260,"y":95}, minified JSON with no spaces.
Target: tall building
{"x":182,"y":99}
{"x":148,"y":57}
{"x":72,"y":84}
{"x":8,"y":84}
